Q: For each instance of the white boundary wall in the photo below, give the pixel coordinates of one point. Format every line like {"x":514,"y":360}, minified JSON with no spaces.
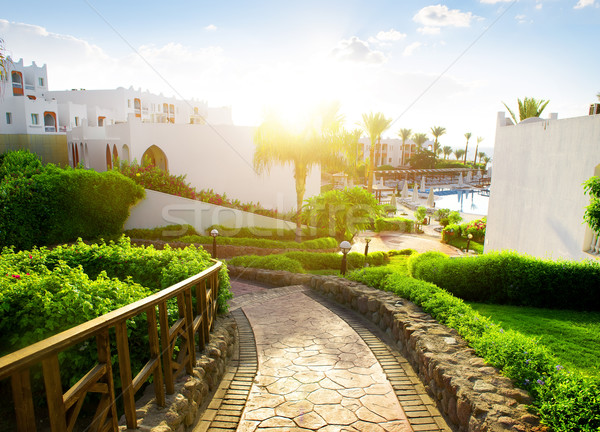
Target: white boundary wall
{"x":161,"y":209}
{"x":537,"y":200}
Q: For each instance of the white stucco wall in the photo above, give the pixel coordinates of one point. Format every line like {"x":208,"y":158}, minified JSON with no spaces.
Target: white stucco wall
{"x":211,"y":157}
{"x":537,"y":200}
{"x":160,"y":209}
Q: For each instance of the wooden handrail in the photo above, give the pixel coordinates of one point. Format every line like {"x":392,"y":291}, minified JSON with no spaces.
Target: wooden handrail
{"x":64,"y":408}
{"x":34,"y":353}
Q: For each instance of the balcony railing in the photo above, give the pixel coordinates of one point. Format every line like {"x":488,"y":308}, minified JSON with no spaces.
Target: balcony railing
{"x":17,"y":85}
{"x":50,"y":128}
{"x":63,"y":408}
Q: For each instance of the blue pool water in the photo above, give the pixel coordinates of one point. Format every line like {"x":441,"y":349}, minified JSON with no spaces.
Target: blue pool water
{"x":465,"y":201}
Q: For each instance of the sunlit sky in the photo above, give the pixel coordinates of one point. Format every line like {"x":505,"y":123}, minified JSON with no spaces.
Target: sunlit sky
{"x":421,"y":63}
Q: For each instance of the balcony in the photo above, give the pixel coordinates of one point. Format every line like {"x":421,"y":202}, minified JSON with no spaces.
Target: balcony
{"x":50,"y":128}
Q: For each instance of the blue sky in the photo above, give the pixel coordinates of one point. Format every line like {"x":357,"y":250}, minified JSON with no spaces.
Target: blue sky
{"x":421,"y":63}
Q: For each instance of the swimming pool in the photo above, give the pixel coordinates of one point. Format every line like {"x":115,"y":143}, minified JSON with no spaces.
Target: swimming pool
{"x":465,"y":201}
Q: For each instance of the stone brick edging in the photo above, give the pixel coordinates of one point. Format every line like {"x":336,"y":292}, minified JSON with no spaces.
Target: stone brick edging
{"x":192,"y":392}
{"x":471,"y":395}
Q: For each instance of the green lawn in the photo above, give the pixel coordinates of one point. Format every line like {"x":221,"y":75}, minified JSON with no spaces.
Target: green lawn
{"x":461,"y":243}
{"x":574,"y":337}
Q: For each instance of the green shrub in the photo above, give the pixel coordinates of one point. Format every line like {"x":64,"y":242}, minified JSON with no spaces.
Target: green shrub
{"x":510,"y":278}
{"x":440,"y":214}
{"x":428,"y":261}
{"x":420,"y":213}
{"x":269,"y":262}
{"x":454,"y":217}
{"x":169,"y":232}
{"x":451,"y":231}
{"x":394,"y":224}
{"x":395,"y":252}
{"x":565,"y":401}
{"x":49,"y":205}
{"x":255,"y":232}
{"x":321,"y":243}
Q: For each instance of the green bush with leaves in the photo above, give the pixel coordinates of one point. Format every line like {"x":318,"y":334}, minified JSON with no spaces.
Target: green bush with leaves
{"x":592,"y":211}
{"x":320,"y":243}
{"x":166,"y":233}
{"x":565,"y":401}
{"x":44,"y":292}
{"x":394,"y":224}
{"x":42,"y":205}
{"x":268,"y":262}
{"x":510,"y":278}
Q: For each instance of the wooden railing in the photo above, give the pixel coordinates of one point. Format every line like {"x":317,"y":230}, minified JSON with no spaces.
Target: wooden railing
{"x":64,"y":408}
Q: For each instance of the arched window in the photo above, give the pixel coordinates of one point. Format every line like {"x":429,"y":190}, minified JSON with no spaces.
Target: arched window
{"x":101,"y":120}
{"x":155,"y":156}
{"x":108,"y":158}
{"x":50,"y":121}
{"x":115,"y":155}
{"x":125,"y":152}
{"x":17,"y":83}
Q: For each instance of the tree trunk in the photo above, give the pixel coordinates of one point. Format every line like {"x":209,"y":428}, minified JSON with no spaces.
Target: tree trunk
{"x":300,"y":173}
{"x":369,"y":178}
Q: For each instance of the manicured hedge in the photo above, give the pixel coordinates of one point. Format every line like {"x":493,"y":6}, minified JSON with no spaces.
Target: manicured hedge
{"x":41,"y":205}
{"x":309,"y":261}
{"x":510,"y":278}
{"x":166,"y":233}
{"x":566,"y":401}
{"x":395,"y":224}
{"x":320,"y":243}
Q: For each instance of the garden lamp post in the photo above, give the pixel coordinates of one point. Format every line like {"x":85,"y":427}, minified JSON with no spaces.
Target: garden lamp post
{"x":345,"y":247}
{"x":214,"y":234}
{"x":367,"y":241}
{"x":469,"y":237}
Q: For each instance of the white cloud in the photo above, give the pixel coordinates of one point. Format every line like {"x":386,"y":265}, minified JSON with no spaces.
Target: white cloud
{"x":429,"y":30}
{"x":494,"y":1}
{"x":210,"y":27}
{"x":358,"y":51}
{"x":584,"y":3}
{"x":441,"y":16}
{"x":408,"y":51}
{"x":521,"y":19}
{"x":390,"y":36}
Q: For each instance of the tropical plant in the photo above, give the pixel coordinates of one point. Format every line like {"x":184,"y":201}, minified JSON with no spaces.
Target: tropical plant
{"x":468,"y":137}
{"x":486,"y":160}
{"x":374,"y":124}
{"x":315,"y":143}
{"x":341,"y":213}
{"x":481,"y":156}
{"x":447,"y":150}
{"x":4,"y":64}
{"x":419,"y":139}
{"x":479,"y":139}
{"x":459,"y":153}
{"x":437,"y":131}
{"x":528,"y":107}
{"x":592,"y":211}
{"x":404,"y":134}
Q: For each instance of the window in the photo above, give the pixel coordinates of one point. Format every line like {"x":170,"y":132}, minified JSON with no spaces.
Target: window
{"x":41,"y":82}
{"x":35,"y":119}
{"x":8,"y":118}
{"x":76,"y":121}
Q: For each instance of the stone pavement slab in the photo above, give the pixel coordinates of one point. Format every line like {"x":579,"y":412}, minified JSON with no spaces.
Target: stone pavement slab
{"x":315,"y":373}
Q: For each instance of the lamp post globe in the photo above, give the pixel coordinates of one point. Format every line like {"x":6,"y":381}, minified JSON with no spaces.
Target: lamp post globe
{"x":214,"y":233}
{"x":345,"y":247}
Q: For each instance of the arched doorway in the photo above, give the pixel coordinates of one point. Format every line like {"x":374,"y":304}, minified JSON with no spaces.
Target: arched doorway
{"x":156,"y":157}
{"x":115,"y":155}
{"x":50,"y":121}
{"x":125,"y":152}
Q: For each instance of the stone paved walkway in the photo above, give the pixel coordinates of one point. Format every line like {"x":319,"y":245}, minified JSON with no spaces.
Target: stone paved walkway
{"x":314,"y":372}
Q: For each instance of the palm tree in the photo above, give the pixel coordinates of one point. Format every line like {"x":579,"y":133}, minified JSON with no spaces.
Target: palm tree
{"x":405,"y":136}
{"x":4,"y":64}
{"x":486,"y":160}
{"x":437,"y":131}
{"x":481,"y":156}
{"x":374,"y":125}
{"x":447,"y":150}
{"x":468,"y":137}
{"x":479,"y":139}
{"x":528,"y":107}
{"x":459,"y":153}
{"x":419,"y":139}
{"x":315,"y":144}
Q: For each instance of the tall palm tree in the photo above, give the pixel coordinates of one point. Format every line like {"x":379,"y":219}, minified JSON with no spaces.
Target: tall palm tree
{"x":374,"y":124}
{"x":314,"y":144}
{"x":528,"y":107}
{"x":486,"y":160}
{"x":459,"y":153}
{"x":468,"y":137}
{"x":481,"y":156}
{"x":479,"y":139}
{"x":405,"y":136}
{"x":4,"y":65}
{"x":419,"y":139}
{"x":447,"y":150}
{"x":437,"y":131}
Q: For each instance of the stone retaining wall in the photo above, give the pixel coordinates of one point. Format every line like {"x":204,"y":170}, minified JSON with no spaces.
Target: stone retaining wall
{"x":192,"y":392}
{"x":225,"y":251}
{"x":471,"y":395}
